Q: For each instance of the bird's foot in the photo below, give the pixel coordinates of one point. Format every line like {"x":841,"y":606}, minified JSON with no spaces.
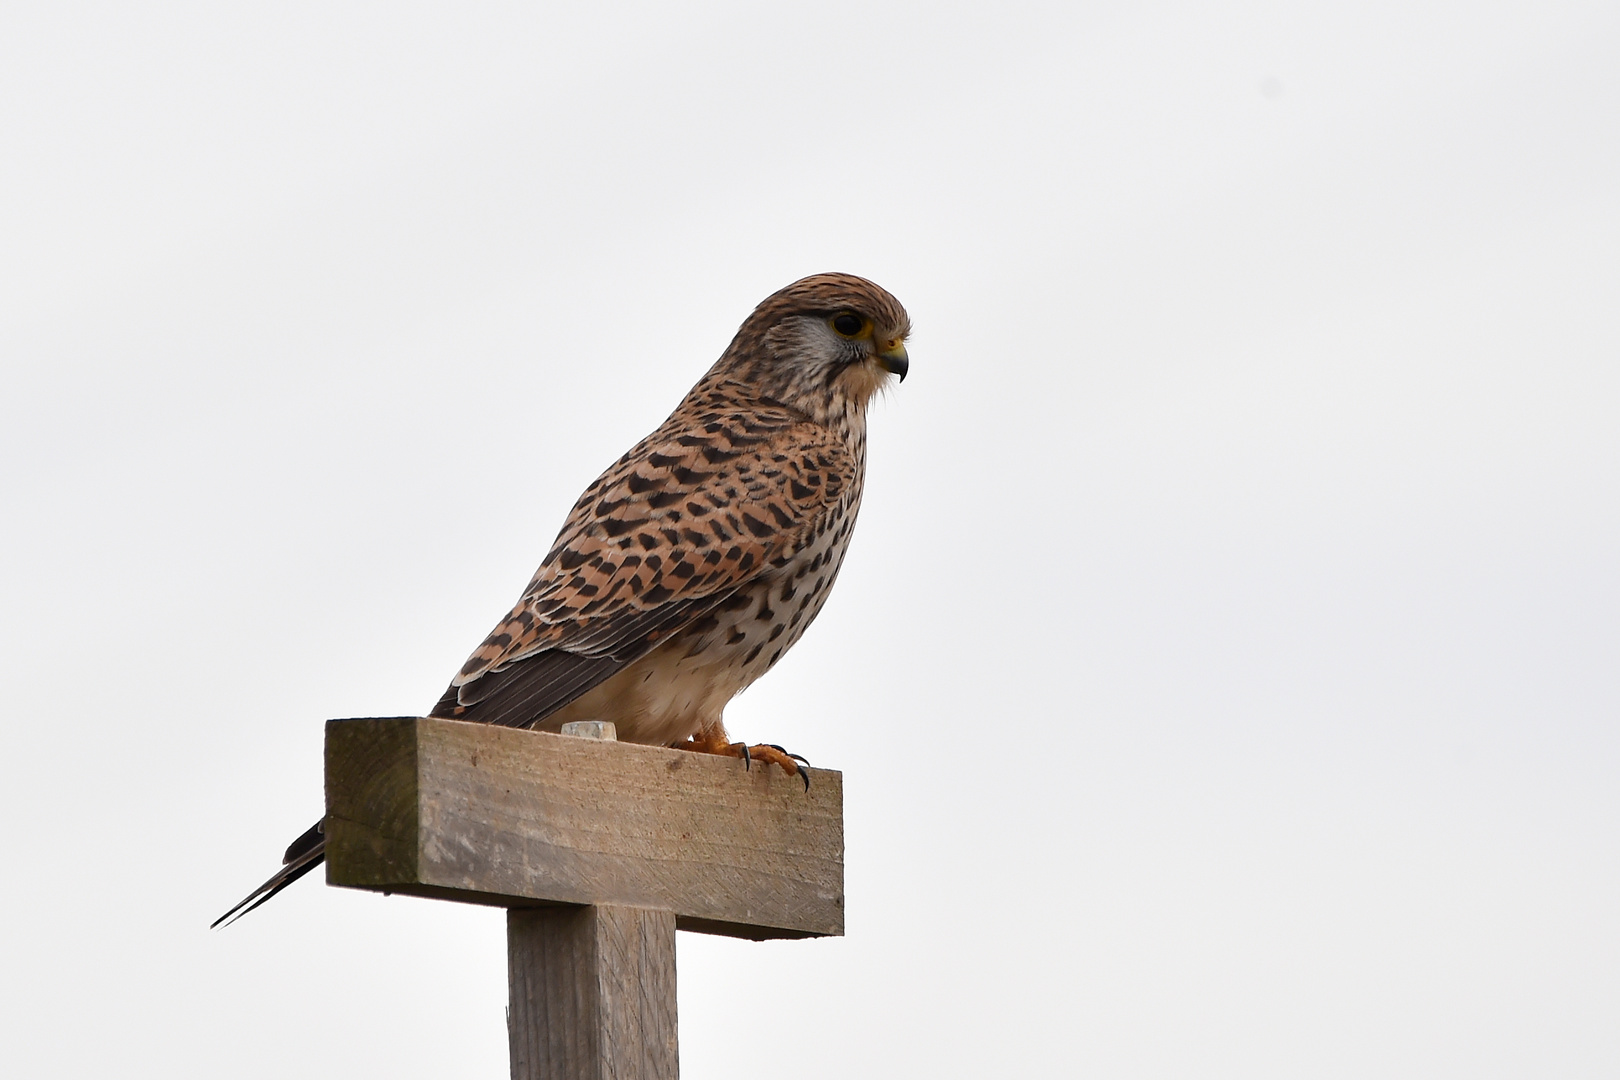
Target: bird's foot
{"x":713,"y":741}
{"x":771,"y":754}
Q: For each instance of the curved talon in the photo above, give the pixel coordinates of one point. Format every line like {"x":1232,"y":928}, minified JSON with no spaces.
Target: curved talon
{"x":775,"y":755}
{"x":714,"y":742}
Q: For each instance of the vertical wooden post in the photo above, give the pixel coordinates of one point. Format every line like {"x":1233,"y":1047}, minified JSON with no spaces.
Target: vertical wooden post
{"x":591,"y":993}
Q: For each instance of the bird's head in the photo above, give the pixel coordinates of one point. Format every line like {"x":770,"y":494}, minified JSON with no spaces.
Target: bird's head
{"x":822,"y":344}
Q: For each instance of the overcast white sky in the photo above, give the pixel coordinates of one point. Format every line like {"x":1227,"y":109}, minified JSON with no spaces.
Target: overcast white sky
{"x":1224,"y":674}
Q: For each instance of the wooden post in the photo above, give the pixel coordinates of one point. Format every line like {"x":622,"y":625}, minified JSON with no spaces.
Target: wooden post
{"x":592,"y":992}
{"x":599,"y":851}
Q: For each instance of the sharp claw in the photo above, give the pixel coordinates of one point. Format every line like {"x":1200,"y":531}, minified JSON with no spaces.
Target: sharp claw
{"x":748,"y":762}
{"x":783,"y":751}
{"x":804,"y":774}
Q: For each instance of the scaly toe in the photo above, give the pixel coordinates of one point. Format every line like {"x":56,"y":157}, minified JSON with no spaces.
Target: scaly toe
{"x":796,"y":757}
{"x":775,"y":755}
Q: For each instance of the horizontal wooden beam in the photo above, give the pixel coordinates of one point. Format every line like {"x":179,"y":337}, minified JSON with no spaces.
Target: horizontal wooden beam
{"x":513,"y":818}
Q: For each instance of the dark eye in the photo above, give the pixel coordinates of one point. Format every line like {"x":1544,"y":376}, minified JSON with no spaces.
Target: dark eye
{"x":847,"y":324}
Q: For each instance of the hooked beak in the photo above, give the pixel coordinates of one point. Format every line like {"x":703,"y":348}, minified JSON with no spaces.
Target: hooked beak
{"x":894,"y":360}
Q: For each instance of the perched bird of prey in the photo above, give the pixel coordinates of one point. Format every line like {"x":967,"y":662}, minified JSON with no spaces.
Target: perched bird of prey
{"x":694,"y":562}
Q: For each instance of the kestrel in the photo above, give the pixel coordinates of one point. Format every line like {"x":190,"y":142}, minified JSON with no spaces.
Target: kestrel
{"x":688,"y":568}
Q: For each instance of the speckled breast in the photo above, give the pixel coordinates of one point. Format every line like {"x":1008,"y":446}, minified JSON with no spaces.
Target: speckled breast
{"x":754,"y":627}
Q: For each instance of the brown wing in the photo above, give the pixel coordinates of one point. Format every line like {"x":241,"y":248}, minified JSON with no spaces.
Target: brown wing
{"x":715,"y":497}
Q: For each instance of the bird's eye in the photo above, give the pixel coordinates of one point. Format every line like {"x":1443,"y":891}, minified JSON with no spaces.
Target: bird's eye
{"x":847,"y":324}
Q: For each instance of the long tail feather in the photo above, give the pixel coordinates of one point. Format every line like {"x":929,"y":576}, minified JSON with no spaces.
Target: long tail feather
{"x":305,"y":854}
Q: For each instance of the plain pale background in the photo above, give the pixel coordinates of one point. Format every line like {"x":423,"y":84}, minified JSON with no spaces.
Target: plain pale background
{"x":1225,"y":670}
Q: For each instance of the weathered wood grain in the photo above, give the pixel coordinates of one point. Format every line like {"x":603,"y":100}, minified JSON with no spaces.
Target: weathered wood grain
{"x":519,"y":818}
{"x":592,"y":993}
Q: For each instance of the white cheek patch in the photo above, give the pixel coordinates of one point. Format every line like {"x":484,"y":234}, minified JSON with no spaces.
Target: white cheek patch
{"x":819,"y":356}
{"x":810,"y":341}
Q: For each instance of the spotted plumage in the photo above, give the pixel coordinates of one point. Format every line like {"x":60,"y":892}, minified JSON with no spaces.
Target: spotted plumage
{"x":689,"y":567}
{"x":696,"y":560}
